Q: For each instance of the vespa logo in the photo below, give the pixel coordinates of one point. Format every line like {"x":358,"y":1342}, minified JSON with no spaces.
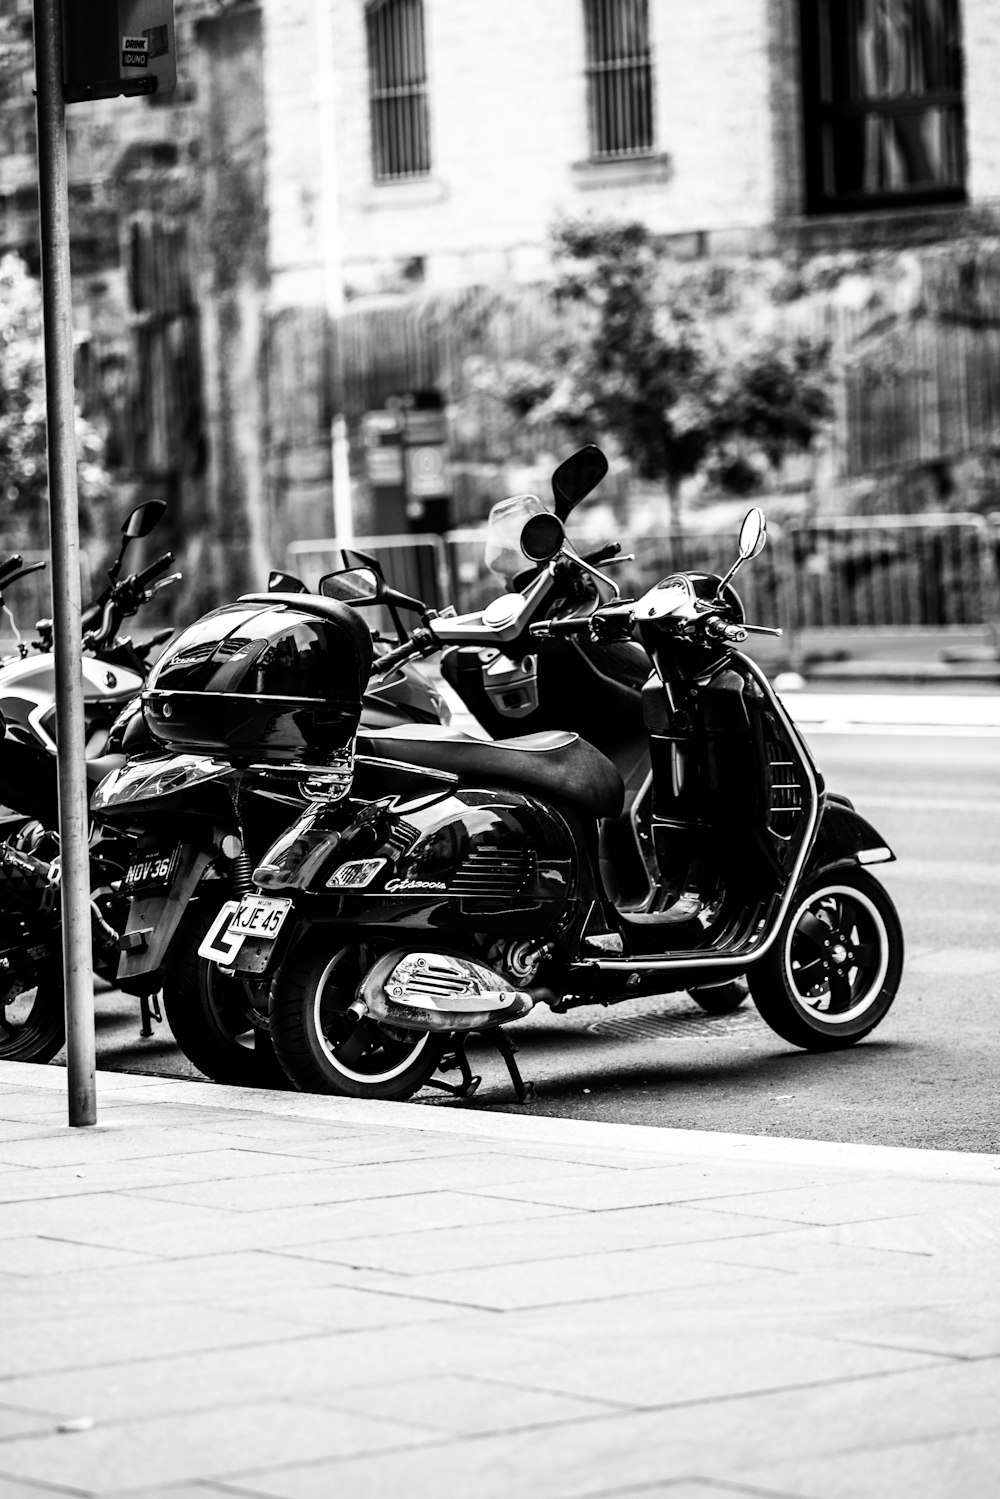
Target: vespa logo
{"x":411,"y":885}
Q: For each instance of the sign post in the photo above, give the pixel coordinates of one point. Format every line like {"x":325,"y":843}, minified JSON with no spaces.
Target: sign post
{"x":64,"y":531}
{"x":84,"y":49}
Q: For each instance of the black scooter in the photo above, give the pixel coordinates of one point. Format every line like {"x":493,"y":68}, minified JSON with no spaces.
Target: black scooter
{"x":460,"y":883}
{"x":200,"y":810}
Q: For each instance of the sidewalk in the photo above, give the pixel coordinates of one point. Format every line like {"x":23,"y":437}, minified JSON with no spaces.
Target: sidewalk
{"x":224,"y":1292}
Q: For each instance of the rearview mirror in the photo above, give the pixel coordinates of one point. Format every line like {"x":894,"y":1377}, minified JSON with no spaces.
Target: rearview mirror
{"x":354,"y":585}
{"x":541,"y":537}
{"x":142,"y":519}
{"x":574,"y":479}
{"x":139,"y":522}
{"x":279,"y":582}
{"x":753,"y":533}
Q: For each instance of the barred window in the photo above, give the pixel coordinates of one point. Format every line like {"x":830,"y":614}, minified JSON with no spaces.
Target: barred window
{"x":397,"y":72}
{"x":619,"y":78}
{"x":882,"y":94}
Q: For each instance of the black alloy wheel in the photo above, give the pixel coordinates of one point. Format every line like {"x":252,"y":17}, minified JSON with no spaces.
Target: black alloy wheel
{"x":833,"y":971}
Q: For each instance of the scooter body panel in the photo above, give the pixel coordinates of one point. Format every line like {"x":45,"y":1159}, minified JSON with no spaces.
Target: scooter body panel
{"x":460,"y":859}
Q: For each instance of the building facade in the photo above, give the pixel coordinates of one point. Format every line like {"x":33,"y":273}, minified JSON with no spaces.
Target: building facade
{"x":297,"y":233}
{"x":445,"y":135}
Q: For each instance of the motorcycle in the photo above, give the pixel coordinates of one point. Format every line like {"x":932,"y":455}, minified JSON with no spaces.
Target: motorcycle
{"x":449,"y":885}
{"x":31,"y":1001}
{"x":200,"y":810}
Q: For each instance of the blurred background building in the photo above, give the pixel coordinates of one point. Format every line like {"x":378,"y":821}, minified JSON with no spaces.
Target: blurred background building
{"x":345,"y":205}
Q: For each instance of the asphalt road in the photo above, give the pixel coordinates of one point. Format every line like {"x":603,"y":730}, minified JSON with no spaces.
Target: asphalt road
{"x":927,"y":1077}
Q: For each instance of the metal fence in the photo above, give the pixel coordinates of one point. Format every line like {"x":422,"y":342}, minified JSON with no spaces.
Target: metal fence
{"x":887,"y":572}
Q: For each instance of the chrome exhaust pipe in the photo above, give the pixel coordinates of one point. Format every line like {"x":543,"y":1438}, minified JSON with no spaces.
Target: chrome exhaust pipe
{"x":439,"y":991}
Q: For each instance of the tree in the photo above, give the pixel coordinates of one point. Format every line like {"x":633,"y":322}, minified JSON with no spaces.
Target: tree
{"x":23,"y":465}
{"x":669,"y":361}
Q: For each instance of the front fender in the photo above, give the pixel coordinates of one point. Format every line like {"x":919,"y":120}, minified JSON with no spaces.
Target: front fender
{"x":845,"y":837}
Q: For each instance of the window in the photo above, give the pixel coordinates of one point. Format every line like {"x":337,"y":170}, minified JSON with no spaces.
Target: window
{"x":619,"y":78}
{"x":397,"y":72}
{"x":882,"y":94}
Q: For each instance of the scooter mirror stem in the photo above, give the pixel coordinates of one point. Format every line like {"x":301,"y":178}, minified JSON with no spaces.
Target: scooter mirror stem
{"x":730,"y":575}
{"x":753,"y":534}
{"x":569,"y":552}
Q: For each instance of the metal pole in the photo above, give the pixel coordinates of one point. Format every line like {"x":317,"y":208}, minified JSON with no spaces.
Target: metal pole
{"x":64,"y":530}
{"x":333,"y":264}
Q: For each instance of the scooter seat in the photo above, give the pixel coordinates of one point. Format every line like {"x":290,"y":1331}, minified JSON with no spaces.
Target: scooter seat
{"x":552,"y":764}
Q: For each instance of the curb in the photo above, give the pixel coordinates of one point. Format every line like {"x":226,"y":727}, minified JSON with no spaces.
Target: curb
{"x":515,"y":1129}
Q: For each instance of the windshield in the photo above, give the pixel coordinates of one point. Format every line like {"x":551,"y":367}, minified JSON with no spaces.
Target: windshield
{"x":504,"y":557}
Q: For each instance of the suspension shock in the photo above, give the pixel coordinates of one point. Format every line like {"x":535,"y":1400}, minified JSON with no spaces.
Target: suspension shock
{"x":242,"y":873}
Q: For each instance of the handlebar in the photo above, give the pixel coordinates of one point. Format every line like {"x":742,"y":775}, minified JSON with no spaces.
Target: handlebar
{"x":576,"y":625}
{"x":152,"y":571}
{"x":121,"y":600}
{"x":10,"y":566}
{"x":717,"y":629}
{"x":602,"y":554}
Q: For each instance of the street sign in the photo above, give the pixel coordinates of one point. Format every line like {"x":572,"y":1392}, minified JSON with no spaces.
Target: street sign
{"x":427,"y":476}
{"x":113,"y":47}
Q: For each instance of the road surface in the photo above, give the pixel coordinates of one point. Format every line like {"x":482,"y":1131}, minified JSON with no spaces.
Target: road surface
{"x":927,"y":1077}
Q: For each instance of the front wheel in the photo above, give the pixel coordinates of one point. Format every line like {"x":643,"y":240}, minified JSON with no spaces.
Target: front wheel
{"x":323,"y":1049}
{"x":833,"y":971}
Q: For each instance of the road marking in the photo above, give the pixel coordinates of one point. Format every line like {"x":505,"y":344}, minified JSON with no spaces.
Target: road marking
{"x":955,"y":962}
{"x":948,"y":874}
{"x":908,"y":710}
{"x":981,"y":806}
{"x":912,"y":730}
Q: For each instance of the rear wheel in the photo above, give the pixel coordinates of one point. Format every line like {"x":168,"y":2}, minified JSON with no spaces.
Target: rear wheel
{"x":323,"y":1049}
{"x":212,"y":1016}
{"x":833,"y":972}
{"x":32,"y":1016}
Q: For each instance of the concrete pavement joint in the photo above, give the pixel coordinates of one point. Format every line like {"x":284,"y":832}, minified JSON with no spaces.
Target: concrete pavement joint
{"x":525,"y":1128}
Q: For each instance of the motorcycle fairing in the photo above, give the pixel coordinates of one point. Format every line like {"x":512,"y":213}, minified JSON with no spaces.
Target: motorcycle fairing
{"x":155,"y":781}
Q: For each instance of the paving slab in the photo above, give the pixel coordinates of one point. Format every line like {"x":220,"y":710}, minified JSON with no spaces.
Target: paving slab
{"x":215,"y":1292}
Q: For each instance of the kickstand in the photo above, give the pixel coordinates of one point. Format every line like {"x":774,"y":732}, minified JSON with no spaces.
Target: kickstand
{"x":508,"y":1051}
{"x":149,"y":1010}
{"x":468,"y":1085}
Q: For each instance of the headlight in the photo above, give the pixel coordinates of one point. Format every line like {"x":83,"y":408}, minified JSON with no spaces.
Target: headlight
{"x":148,"y":780}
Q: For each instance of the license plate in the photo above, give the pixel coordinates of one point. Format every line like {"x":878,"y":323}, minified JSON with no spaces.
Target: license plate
{"x":151,"y":871}
{"x":259,"y":916}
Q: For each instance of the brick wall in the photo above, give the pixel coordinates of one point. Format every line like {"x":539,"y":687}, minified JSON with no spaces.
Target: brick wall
{"x":509,"y":137}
